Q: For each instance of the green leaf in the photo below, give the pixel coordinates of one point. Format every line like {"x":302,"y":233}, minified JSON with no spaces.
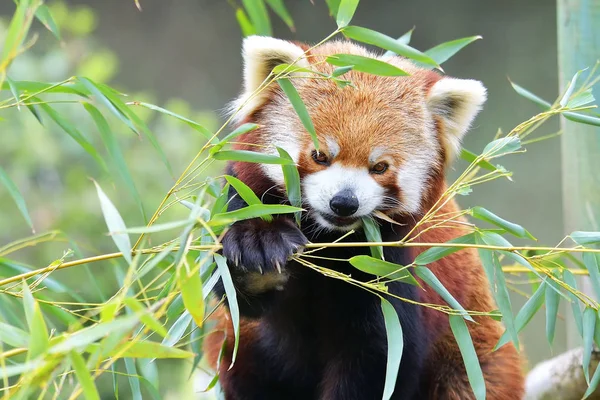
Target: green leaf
{"x":292,"y":94}
{"x":291,"y":178}
{"x":569,"y":90}
{"x":395,"y":341}
{"x":178,"y":329}
{"x":240,"y":130}
{"x":510,"y":227}
{"x":502,"y":146}
{"x":114,"y":150}
{"x":254,"y":211}
{"x":378,"y":267}
{"x":115,"y":223}
{"x":442,"y":52}
{"x":592,"y":262}
{"x":249,"y":156}
{"x":231,"y":302}
{"x":435,"y":253}
{"x":471,"y":157}
{"x":373,"y":234}
{"x":467,"y":350}
{"x":133,"y":378}
{"x":45,"y":17}
{"x":569,"y":279}
{"x":432,"y":281}
{"x":345,"y":12}
{"x":14,"y":336}
{"x":404,"y":39}
{"x":191,"y":291}
{"x":339,"y":71}
{"x":589,"y":324}
{"x":83,"y":375}
{"x":365,"y":64}
{"x":552,"y":302}
{"x":530,"y":96}
{"x":525,"y":314}
{"x":193,"y":124}
{"x":74,"y":133}
{"x":593,"y":384}
{"x":35,"y":88}
{"x":279,"y":8}
{"x":333,"y":6}
{"x":244,"y":22}
{"x":585,"y":238}
{"x":13,"y":191}
{"x":18,"y":29}
{"x":122,"y":111}
{"x":581,"y":99}
{"x":243,"y":190}
{"x":259,"y":16}
{"x":38,"y":333}
{"x":84,"y":337}
{"x":385,"y":42}
{"x":15,"y":92}
{"x":147,"y":318}
{"x":144,"y":349}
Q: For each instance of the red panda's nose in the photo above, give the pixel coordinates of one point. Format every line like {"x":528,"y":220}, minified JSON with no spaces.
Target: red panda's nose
{"x":344,"y":203}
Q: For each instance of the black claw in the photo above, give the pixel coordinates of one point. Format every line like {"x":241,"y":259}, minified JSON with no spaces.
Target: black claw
{"x":259,"y":246}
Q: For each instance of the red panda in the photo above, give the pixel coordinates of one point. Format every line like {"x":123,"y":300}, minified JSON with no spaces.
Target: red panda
{"x":384,"y":145}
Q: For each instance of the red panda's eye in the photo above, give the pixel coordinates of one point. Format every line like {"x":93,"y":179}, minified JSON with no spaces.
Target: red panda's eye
{"x":320,"y":157}
{"x":379,"y":168}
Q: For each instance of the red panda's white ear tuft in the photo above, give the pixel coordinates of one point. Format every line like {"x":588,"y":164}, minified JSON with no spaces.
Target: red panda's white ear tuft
{"x":457,"y":101}
{"x":261,"y":54}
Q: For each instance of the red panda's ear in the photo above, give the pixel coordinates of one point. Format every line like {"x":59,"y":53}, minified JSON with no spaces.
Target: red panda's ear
{"x":261,"y":54}
{"x":457,"y":102}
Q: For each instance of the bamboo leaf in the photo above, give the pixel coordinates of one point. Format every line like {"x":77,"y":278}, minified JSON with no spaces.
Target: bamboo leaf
{"x":530,"y":96}
{"x":433,"y":282}
{"x":13,"y":336}
{"x":365,"y":64}
{"x":244,"y":22}
{"x":45,"y":17}
{"x":435,"y":253}
{"x":144,"y":349}
{"x":577,"y":314}
{"x":191,"y":292}
{"x":385,"y":42}
{"x":502,"y":146}
{"x":570,"y":88}
{"x":381,"y":268}
{"x":193,"y":124}
{"x":471,"y":157}
{"x":231,"y":302}
{"x":585,"y":238}
{"x":442,"y":52}
{"x":591,"y":261}
{"x":38,"y":333}
{"x":373,"y":234}
{"x":510,"y":227}
{"x":240,"y":130}
{"x":345,"y":12}
{"x":259,"y":16}
{"x":74,"y":133}
{"x":292,"y":94}
{"x":253,"y":211}
{"x":530,"y":308}
{"x":552,"y":303}
{"x":249,"y":156}
{"x":133,"y":378}
{"x":395,"y":346}
{"x":291,"y":178}
{"x":115,"y":223}
{"x":404,"y":39}
{"x":83,"y":375}
{"x":333,"y":6}
{"x":243,"y":190}
{"x":589,"y":324}
{"x":145,"y":317}
{"x":178,"y":329}
{"x":467,"y":350}
{"x":18,"y":29}
{"x":114,"y":150}
{"x":13,"y":191}
{"x":280,"y":9}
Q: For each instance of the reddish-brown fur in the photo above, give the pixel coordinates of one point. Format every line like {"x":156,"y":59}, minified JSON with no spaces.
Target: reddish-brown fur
{"x":384,"y":112}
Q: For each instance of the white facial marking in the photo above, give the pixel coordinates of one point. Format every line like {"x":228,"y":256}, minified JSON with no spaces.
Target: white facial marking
{"x":332,"y":146}
{"x":376,"y":154}
{"x":319,"y":188}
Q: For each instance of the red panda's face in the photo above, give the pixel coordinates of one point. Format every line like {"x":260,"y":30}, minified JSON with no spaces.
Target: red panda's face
{"x":383,"y":142}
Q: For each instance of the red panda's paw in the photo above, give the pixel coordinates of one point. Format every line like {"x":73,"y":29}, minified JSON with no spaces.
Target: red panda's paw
{"x":257,"y":246}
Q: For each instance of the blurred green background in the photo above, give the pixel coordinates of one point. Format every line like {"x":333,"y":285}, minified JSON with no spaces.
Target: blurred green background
{"x":185,"y":56}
